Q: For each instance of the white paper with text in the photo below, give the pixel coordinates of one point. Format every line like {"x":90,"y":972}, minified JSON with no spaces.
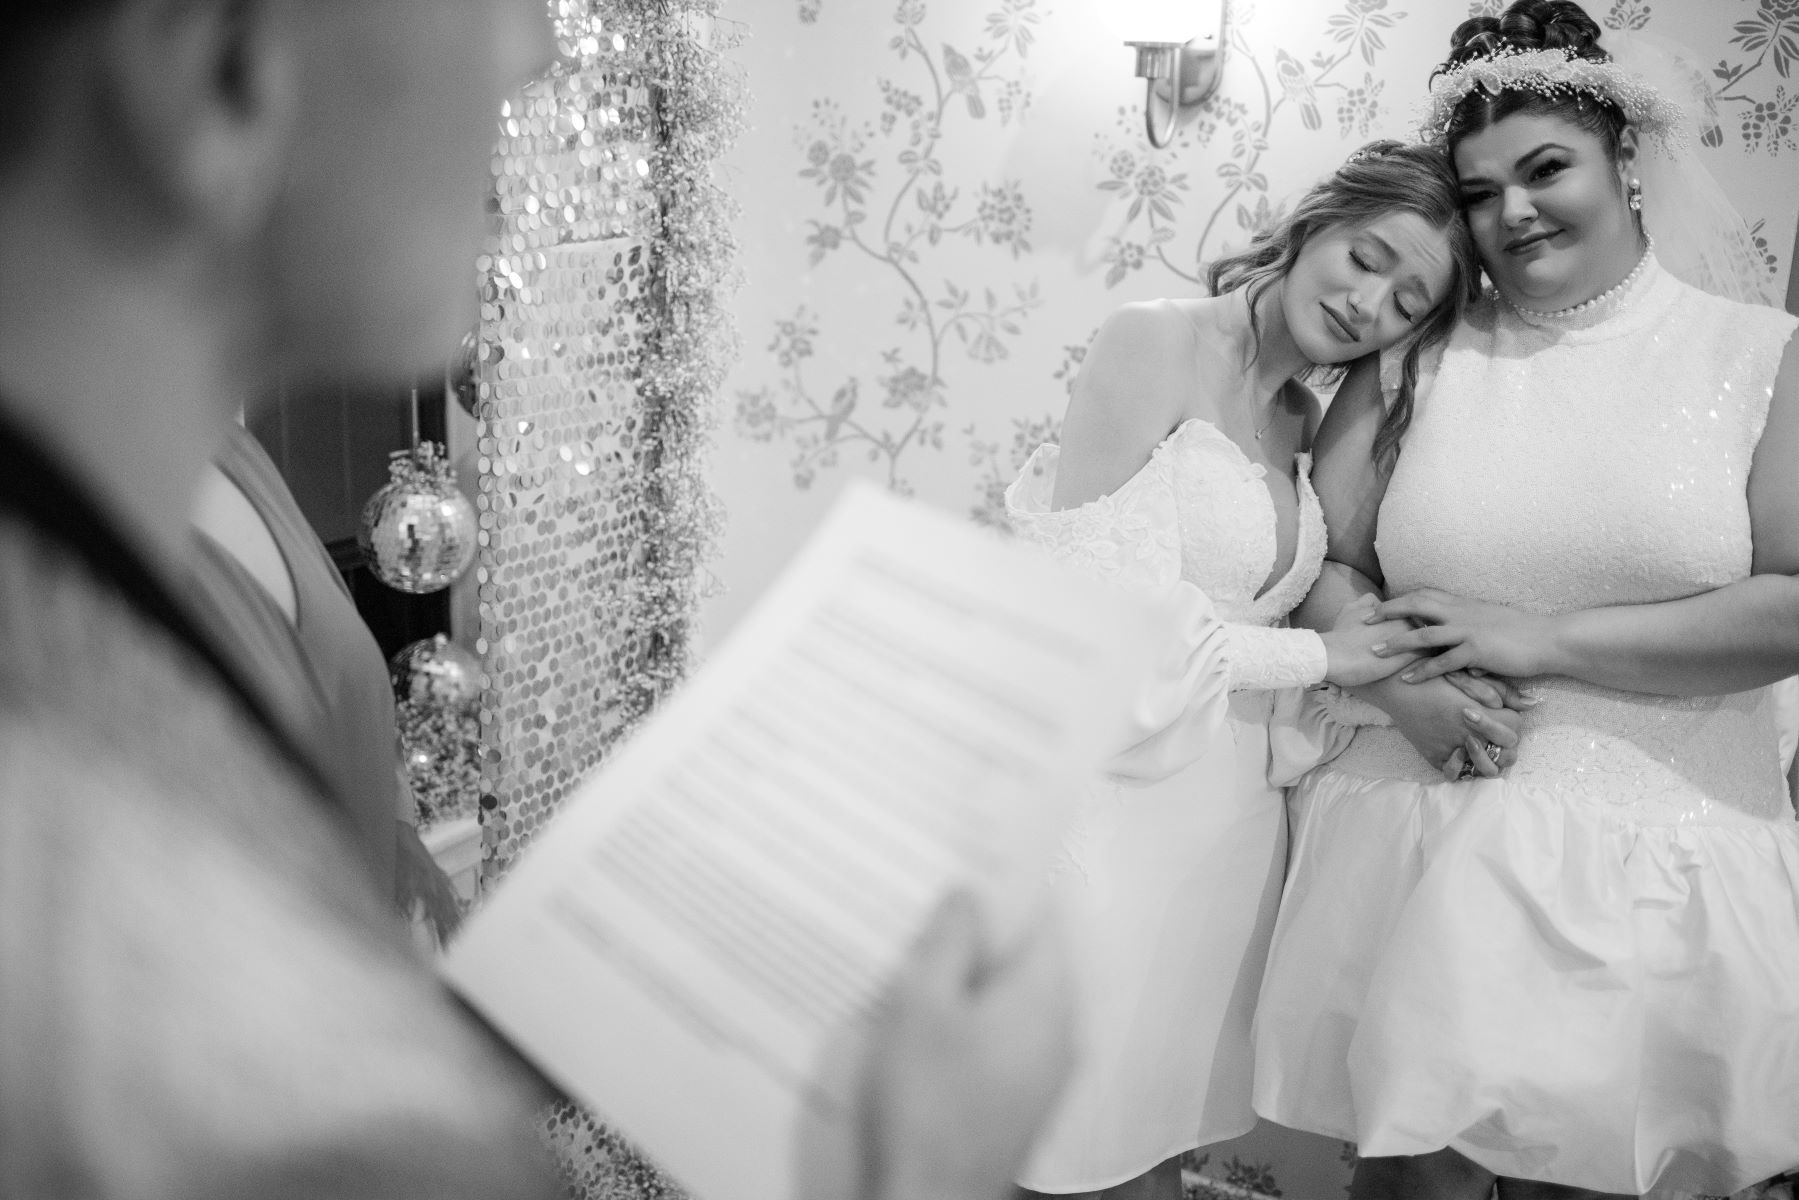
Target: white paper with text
{"x":913,"y":707}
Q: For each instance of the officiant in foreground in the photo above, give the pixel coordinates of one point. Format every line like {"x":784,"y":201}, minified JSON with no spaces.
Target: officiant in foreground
{"x":201,"y":994}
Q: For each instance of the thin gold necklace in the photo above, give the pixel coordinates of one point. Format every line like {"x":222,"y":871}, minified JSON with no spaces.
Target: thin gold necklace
{"x":1273,"y":411}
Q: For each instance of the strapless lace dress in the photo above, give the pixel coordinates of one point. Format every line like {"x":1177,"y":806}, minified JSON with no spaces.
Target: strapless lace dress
{"x":1173,"y":878}
{"x":1587,"y":971}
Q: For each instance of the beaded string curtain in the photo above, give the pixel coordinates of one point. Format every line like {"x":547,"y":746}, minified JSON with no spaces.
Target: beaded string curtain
{"x":603,"y":344}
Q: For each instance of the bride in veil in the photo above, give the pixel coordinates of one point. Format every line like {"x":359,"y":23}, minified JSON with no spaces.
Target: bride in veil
{"x":1582,"y":974}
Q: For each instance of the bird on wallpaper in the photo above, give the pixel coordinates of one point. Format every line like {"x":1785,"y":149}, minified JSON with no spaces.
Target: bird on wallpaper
{"x":962,"y":79}
{"x":842,"y":405}
{"x":1296,"y":85}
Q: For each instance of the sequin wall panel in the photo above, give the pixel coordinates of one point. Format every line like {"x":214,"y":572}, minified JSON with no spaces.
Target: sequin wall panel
{"x":559,"y":445}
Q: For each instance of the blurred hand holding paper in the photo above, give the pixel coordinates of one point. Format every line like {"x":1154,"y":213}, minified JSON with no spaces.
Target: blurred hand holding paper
{"x":913,"y":708}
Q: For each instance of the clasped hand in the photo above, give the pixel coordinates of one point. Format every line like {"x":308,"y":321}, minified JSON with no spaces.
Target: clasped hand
{"x":1355,"y":647}
{"x":1461,"y":635}
{"x":1446,"y":652}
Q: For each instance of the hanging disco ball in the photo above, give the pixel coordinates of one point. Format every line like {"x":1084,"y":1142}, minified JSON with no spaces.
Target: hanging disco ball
{"x":418,"y":531}
{"x":436,"y":673}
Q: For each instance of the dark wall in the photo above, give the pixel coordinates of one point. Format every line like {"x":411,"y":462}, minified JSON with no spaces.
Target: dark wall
{"x":332,"y":445}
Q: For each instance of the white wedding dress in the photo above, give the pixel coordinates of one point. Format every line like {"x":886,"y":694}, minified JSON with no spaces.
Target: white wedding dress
{"x":1585,"y":971}
{"x":1171,"y":882}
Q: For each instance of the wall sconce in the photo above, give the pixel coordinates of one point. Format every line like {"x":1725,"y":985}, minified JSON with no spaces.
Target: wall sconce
{"x":1180,"y":46}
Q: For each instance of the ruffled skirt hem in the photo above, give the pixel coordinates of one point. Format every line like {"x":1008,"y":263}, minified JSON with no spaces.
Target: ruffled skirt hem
{"x":1066,"y":1184}
{"x":1541,"y":983}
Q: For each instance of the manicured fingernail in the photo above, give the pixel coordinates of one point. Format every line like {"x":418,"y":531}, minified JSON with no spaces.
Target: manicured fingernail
{"x":1379,"y":648}
{"x":1373,"y":618}
{"x":1410,"y":677}
{"x":1531,"y":699}
{"x":1472,"y":716}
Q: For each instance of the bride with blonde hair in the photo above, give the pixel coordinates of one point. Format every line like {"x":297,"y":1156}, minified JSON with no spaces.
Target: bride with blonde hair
{"x":1183,"y":467}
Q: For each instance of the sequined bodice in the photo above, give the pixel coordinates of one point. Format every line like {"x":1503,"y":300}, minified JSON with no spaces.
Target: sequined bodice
{"x":1199,"y":510}
{"x":1557,"y":465}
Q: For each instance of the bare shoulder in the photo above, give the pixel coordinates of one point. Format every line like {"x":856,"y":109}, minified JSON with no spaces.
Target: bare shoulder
{"x":1141,"y":342}
{"x":1132,"y":389}
{"x":1773,"y":477}
{"x":1786,"y":375}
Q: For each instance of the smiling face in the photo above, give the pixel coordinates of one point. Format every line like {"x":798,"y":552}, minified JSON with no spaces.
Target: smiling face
{"x":1355,"y":289}
{"x":1545,"y":201}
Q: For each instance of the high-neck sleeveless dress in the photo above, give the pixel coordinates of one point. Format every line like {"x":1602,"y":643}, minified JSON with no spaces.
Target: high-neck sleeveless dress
{"x":1172,"y":879}
{"x":1586,"y":971}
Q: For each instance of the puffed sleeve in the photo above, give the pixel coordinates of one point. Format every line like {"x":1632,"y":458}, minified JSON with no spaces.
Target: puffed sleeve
{"x":1178,"y":713}
{"x":1132,"y":538}
{"x":1311,"y":726}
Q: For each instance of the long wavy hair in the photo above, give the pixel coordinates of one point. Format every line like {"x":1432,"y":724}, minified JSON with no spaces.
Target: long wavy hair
{"x":1382,"y":177}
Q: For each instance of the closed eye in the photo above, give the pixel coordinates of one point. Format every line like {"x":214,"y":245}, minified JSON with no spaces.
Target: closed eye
{"x":1362,"y":263}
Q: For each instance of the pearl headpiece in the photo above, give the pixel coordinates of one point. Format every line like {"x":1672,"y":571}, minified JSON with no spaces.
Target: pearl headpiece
{"x":1558,"y":73}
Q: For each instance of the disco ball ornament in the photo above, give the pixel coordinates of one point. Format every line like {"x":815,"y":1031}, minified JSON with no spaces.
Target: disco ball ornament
{"x":418,"y":532}
{"x":436,"y":673}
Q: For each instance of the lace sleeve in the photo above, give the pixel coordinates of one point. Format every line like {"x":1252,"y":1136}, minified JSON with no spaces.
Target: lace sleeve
{"x":1132,"y":538}
{"x":1262,"y":659}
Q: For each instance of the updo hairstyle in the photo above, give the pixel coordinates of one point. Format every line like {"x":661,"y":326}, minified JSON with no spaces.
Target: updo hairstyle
{"x":1531,"y":25}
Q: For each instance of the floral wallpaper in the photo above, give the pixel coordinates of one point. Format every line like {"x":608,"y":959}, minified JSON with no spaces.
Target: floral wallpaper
{"x":942,"y":201}
{"x":885,"y":198}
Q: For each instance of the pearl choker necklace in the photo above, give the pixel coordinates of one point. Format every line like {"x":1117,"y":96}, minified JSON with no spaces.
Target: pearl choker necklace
{"x":1601,"y":300}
